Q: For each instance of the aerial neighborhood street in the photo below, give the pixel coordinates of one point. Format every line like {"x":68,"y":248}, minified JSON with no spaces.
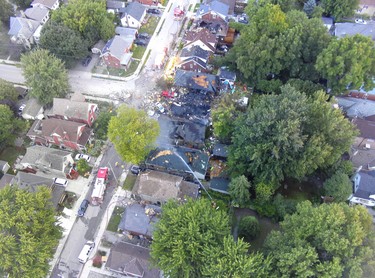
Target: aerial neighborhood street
{"x":187,"y":138}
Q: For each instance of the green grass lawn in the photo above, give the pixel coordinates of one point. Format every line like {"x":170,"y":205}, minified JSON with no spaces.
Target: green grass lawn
{"x":150,"y":26}
{"x":10,"y":154}
{"x":138,"y":52}
{"x":129,"y":182}
{"x":133,"y":67}
{"x":115,"y":219}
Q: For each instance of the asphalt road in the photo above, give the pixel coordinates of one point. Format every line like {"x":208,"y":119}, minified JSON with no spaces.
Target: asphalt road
{"x":85,"y":228}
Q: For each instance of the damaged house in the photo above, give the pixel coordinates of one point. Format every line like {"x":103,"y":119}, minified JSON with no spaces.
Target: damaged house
{"x":201,"y":82}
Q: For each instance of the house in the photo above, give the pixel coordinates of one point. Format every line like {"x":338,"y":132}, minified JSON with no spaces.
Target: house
{"x":5,"y":179}
{"x":189,"y":163}
{"x":356,"y":106}
{"x":350,"y":29}
{"x":126,"y":32}
{"x":220,"y":151}
{"x":158,"y":187}
{"x":116,"y":53}
{"x":230,"y":3}
{"x":327,"y":22}
{"x":75,"y":111}
{"x":363,"y":188}
{"x":201,"y":37}
{"x":203,"y":82}
{"x":194,"y":58}
{"x":220,"y":185}
{"x":38,"y":13}
{"x":190,"y":134}
{"x":22,"y":30}
{"x":131,"y":261}
{"x":148,"y":2}
{"x":115,"y":6}
{"x":31,"y":182}
{"x":33,"y":110}
{"x":133,"y":15}
{"x":47,"y":160}
{"x":139,"y":220}
{"x":363,"y":148}
{"x":66,"y":134}
{"x":49,"y":4}
{"x":4,"y":166}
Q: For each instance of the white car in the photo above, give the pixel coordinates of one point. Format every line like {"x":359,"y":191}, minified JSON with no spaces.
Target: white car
{"x":86,"y":251}
{"x":360,"y":21}
{"x":21,"y":109}
{"x":160,"y":107}
{"x":83,"y":156}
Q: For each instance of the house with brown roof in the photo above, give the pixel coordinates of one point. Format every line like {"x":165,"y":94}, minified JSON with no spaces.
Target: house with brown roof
{"x":131,"y":261}
{"x":158,"y":187}
{"x":76,"y":111}
{"x":201,"y":37}
{"x":65,"y":134}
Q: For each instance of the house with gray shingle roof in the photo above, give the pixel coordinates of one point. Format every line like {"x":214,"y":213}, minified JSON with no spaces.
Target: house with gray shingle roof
{"x":115,"y":6}
{"x":76,"y":111}
{"x":116,"y":53}
{"x":133,"y":15}
{"x":47,"y":160}
{"x":22,"y":30}
{"x":38,"y":13}
{"x":33,"y":110}
{"x":213,"y":9}
{"x":126,"y":32}
{"x":201,"y":37}
{"x":364,"y":188}
{"x":50,"y":4}
{"x":194,"y":58}
{"x":351,"y":29}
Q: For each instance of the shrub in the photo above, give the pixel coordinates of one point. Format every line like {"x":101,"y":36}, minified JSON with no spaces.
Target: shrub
{"x":248,"y":228}
{"x":83,"y":167}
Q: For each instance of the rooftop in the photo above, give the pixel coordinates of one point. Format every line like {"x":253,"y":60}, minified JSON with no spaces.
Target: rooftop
{"x":135,"y":9}
{"x":72,"y":109}
{"x":197,"y":81}
{"x":351,"y":29}
{"x":36,"y":13}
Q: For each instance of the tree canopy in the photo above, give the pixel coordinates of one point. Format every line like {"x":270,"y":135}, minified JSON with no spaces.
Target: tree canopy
{"x":339,"y":186}
{"x":348,"y":62}
{"x":278,"y":46}
{"x":339,"y":8}
{"x":239,"y":189}
{"x":288,"y":135}
{"x":7,"y":91}
{"x":6,"y":10}
{"x":45,"y":74}
{"x":64,"y":43}
{"x":326,"y":241}
{"x":22,"y":3}
{"x":9,"y":126}
{"x":29,"y":232}
{"x":193,"y":240}
{"x":133,"y":133}
{"x":89,"y":18}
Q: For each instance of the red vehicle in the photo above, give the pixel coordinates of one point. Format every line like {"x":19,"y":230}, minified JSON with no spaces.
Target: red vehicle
{"x":178,"y":12}
{"x":100,"y":186}
{"x":168,"y":94}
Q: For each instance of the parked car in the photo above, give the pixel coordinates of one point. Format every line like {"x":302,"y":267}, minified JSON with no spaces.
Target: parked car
{"x":135,"y":169}
{"x":243,"y":20}
{"x":20,"y":109}
{"x":223,"y":48}
{"x":143,"y":36}
{"x":153,"y":11}
{"x":140,"y":42}
{"x":160,"y":107}
{"x":360,"y":21}
{"x":86,"y":250}
{"x":86,"y":61}
{"x":83,"y":156}
{"x":61,"y":182}
{"x":83,"y":207}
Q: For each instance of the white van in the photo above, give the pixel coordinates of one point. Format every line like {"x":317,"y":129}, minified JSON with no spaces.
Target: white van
{"x":85,"y":253}
{"x":61,"y":182}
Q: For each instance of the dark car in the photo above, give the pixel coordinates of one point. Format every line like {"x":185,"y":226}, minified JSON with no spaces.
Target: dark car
{"x":135,"y":169}
{"x":143,"y":36}
{"x":86,"y":61}
{"x":153,"y":11}
{"x":140,"y":42}
{"x":83,"y":207}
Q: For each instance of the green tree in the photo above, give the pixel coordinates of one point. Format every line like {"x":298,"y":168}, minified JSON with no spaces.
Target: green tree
{"x":182,"y":235}
{"x":83,"y":167}
{"x":101,"y":124}
{"x":22,"y":3}
{"x":338,"y":186}
{"x":348,"y":62}
{"x":305,"y":86}
{"x":231,"y":260}
{"x":248,"y":228}
{"x":264,"y":192}
{"x":223,"y":116}
{"x":239,"y":189}
{"x":325,"y":241}
{"x":9,"y":126}
{"x":6,"y":10}
{"x":29,"y":232}
{"x":133,"y":133}
{"x":64,"y":43}
{"x":288,"y":135}
{"x":45,"y":74}
{"x":339,"y":8}
{"x":7,"y":91}
{"x":89,"y":18}
{"x":309,"y":7}
{"x":278,"y":46}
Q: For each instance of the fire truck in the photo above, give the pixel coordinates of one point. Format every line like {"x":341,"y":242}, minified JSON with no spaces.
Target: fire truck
{"x":100,"y":186}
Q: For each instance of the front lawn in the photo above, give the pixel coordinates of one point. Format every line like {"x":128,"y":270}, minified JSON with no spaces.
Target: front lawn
{"x":138,"y":52}
{"x":150,"y":26}
{"x":129,"y":182}
{"x":115,"y":219}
